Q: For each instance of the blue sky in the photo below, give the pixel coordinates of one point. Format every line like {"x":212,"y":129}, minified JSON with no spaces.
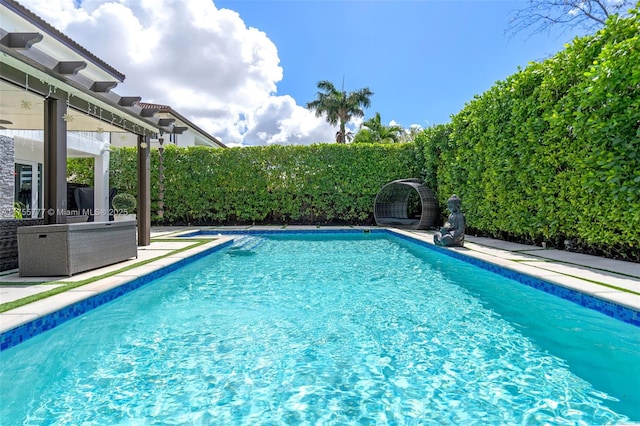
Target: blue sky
{"x":423,"y":59}
{"x":243,"y":70}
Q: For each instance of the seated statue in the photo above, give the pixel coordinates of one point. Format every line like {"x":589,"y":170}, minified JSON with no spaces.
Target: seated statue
{"x":452,"y":233}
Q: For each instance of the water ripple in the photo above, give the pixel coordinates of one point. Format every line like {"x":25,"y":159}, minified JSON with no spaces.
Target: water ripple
{"x":287,"y":337}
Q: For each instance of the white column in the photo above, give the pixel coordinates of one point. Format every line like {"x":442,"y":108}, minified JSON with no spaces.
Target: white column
{"x":101,"y":186}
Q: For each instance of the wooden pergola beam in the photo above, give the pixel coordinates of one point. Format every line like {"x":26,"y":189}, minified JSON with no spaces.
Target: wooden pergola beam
{"x":55,"y":161}
{"x":144,"y":190}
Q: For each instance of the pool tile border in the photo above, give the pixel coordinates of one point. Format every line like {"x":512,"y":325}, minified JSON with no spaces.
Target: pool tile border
{"x":40,"y":324}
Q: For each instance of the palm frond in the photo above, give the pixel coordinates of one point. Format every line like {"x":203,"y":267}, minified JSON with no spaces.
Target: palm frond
{"x":338,"y":106}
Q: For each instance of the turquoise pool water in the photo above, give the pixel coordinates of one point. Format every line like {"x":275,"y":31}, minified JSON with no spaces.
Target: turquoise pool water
{"x":339,"y":329}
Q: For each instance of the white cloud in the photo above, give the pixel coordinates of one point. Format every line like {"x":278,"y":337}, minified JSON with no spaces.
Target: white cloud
{"x":281,"y":121}
{"x":202,"y":61}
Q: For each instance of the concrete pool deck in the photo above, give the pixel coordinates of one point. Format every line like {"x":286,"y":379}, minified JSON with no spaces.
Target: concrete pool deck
{"x":607,"y":279}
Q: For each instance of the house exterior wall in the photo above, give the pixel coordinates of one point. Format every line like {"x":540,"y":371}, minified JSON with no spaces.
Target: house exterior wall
{"x":28,"y":149}
{"x":7,"y":178}
{"x":185,"y":139}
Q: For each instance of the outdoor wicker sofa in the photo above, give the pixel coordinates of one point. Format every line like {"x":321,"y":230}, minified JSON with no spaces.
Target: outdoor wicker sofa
{"x":66,"y":249}
{"x":392,"y":207}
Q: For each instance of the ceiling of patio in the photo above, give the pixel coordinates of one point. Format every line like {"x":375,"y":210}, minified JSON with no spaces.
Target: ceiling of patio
{"x":24,"y":110}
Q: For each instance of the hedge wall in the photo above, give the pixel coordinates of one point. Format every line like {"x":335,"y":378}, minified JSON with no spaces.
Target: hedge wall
{"x":317,"y":184}
{"x":553,"y":152}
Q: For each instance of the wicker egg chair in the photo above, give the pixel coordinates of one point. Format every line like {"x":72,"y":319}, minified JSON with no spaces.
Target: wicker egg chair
{"x":392,"y":205}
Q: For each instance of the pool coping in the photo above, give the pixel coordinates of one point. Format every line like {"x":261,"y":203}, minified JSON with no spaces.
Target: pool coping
{"x":24,"y":322}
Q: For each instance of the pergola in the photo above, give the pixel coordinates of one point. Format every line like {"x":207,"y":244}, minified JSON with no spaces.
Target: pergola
{"x":51,"y":84}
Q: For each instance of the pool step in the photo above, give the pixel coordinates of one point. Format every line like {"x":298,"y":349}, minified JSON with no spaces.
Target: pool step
{"x":246,"y":243}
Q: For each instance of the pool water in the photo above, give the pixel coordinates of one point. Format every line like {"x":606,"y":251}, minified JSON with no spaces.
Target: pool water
{"x":339,"y":329}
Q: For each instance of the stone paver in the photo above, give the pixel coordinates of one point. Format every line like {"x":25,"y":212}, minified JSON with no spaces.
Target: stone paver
{"x":9,"y":293}
{"x":596,"y":275}
{"x":499,"y":244}
{"x":593,"y":262}
{"x":164,"y":245}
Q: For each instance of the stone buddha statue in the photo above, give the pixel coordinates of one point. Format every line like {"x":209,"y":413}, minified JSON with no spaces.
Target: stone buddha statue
{"x":452,"y":232}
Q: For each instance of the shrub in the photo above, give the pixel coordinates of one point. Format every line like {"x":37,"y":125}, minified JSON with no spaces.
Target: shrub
{"x":125,"y":203}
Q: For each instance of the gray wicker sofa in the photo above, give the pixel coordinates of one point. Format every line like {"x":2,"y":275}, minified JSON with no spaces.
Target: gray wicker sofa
{"x":66,"y":249}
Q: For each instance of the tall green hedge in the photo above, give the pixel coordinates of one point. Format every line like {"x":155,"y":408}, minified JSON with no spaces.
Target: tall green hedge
{"x":428,"y":146}
{"x":553,"y":152}
{"x":317,"y":184}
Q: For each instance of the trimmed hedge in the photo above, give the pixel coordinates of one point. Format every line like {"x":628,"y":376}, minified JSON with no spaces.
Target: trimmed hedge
{"x":553,"y":152}
{"x":317,"y":184}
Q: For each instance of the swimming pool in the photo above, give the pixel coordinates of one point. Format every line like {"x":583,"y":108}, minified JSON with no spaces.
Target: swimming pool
{"x":363,"y":328}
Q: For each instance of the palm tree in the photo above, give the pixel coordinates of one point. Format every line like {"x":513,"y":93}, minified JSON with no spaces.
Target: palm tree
{"x":339,"y":106}
{"x":373,"y":130}
{"x":410,"y":134}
